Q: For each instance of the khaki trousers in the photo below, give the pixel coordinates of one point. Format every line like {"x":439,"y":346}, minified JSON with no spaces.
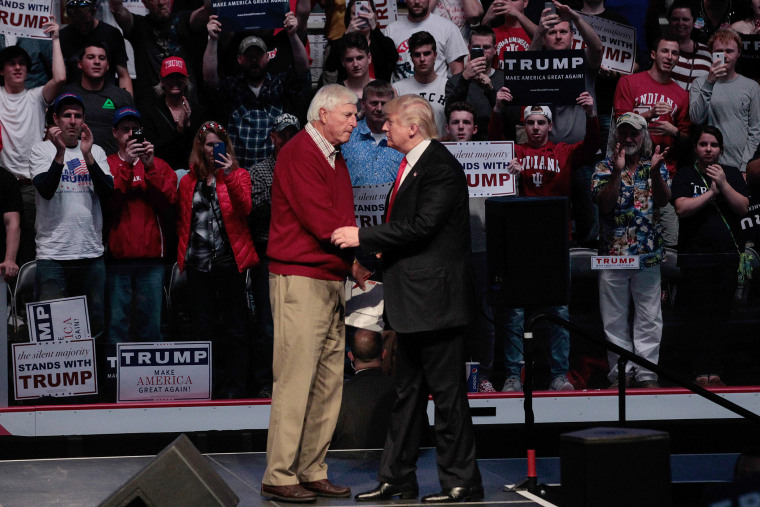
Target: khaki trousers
{"x":309,"y":344}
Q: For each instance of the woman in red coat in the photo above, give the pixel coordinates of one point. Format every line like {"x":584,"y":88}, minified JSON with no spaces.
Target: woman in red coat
{"x":215,"y":248}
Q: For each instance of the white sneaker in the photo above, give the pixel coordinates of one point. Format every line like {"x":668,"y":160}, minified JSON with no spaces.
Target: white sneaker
{"x":561,"y":384}
{"x":511,"y":385}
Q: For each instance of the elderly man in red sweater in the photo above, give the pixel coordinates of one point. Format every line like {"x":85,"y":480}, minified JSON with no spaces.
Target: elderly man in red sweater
{"x":311,"y":197}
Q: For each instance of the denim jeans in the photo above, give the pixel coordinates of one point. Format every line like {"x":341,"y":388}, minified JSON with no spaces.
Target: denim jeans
{"x":510,"y":324}
{"x":134,"y":294}
{"x":56,"y":279}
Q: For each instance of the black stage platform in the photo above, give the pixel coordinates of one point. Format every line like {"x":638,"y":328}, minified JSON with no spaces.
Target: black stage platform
{"x":88,"y":481}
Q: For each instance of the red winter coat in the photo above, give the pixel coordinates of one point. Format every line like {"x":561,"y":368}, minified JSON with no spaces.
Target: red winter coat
{"x":139,"y":199}
{"x":234,"y":194}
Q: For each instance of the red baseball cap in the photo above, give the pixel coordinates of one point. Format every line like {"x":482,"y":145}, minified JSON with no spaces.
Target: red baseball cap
{"x":173,"y":65}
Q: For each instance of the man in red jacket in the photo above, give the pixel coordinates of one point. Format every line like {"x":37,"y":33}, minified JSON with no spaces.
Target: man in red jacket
{"x":144,"y":187}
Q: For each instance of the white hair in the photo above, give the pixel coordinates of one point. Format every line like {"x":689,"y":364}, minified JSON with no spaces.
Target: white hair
{"x":329,"y":97}
{"x":646,"y":143}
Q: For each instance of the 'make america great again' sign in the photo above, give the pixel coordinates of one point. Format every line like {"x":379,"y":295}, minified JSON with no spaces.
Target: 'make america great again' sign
{"x":545,"y":77}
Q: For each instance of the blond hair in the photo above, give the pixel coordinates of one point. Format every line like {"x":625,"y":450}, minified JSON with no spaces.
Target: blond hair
{"x":414,"y":110}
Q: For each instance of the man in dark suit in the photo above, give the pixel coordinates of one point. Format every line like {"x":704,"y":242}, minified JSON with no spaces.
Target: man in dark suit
{"x":368,"y":397}
{"x":425,"y":247}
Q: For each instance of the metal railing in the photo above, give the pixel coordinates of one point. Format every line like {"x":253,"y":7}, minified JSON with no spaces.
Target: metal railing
{"x":625,"y":356}
{"x":531,"y":481}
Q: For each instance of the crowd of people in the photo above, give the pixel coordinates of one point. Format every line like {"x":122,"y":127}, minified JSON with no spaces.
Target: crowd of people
{"x":108,"y":178}
{"x":201,"y":159}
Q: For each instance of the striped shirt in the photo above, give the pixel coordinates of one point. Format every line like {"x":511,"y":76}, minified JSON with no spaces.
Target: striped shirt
{"x":691,"y":66}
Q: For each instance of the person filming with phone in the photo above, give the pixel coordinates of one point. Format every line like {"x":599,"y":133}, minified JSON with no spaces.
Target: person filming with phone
{"x":215,"y":248}
{"x":479,"y":81}
{"x":727,"y":100}
{"x":145,"y":187}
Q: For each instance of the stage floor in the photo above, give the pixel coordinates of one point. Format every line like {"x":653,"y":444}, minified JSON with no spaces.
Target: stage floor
{"x":88,"y":481}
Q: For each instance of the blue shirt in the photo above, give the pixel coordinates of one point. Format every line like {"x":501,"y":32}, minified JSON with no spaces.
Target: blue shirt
{"x":370,"y":163}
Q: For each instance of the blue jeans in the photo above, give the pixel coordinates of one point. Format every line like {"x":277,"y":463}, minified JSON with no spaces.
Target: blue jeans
{"x":511,"y":324}
{"x":134,"y":293}
{"x":56,"y":279}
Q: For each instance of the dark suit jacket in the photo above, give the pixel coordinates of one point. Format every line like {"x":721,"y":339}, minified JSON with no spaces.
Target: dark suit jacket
{"x":426,"y":247}
{"x":365,"y":411}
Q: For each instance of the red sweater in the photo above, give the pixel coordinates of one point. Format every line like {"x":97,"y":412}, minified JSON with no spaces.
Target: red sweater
{"x":508,"y":40}
{"x":639,"y":93}
{"x":234,"y":194}
{"x":546,"y":170}
{"x":134,"y":228}
{"x":310,"y":200}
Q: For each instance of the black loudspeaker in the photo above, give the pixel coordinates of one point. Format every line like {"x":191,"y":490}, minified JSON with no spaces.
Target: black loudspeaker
{"x":527,"y":250}
{"x":178,"y":475}
{"x":615,"y":466}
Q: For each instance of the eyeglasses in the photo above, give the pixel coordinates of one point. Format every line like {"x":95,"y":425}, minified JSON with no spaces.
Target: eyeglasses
{"x":211,"y":125}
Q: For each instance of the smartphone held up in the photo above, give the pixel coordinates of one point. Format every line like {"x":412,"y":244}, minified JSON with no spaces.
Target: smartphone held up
{"x":219,"y":150}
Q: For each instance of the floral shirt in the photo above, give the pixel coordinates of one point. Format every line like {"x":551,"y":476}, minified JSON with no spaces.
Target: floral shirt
{"x":633,"y":227}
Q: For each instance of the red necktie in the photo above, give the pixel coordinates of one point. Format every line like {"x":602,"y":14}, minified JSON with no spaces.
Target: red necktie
{"x":395,"y":188}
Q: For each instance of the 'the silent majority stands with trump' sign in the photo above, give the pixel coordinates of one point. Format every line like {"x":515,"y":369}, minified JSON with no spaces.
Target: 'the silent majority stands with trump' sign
{"x":59,"y":359}
{"x":485,"y":167}
{"x":60,"y":368}
{"x":24,"y":18}
{"x":619,"y":43}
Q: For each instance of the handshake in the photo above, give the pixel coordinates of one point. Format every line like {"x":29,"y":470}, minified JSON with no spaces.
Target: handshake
{"x":348,"y":237}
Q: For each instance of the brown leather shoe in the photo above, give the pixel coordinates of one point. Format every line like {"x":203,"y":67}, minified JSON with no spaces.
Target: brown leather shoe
{"x":326,"y":488}
{"x":290,"y":493}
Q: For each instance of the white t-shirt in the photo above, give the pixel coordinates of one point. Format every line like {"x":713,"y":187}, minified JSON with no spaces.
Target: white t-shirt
{"x":448,"y":39}
{"x":434,"y":93}
{"x":22,"y":117}
{"x":70,"y":225}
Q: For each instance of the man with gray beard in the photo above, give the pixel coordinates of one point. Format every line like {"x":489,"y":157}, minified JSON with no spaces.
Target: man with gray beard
{"x":630,"y":188}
